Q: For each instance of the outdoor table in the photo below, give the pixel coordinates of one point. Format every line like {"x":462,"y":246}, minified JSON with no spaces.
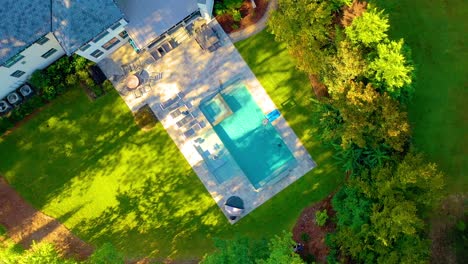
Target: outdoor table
{"x":133,"y":81}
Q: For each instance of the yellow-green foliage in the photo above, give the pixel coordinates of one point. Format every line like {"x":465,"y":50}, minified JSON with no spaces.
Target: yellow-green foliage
{"x":305,"y":26}
{"x":369,"y":28}
{"x":368,"y":118}
{"x":390,"y":66}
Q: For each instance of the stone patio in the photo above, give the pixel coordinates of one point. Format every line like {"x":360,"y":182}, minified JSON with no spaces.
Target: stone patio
{"x":190,"y":74}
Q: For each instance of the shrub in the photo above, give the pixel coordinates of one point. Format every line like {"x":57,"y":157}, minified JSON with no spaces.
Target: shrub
{"x":309,"y":258}
{"x":30,"y":105}
{"x":107,"y":86}
{"x":49,"y":93}
{"x":145,"y":117}
{"x":16,"y":115}
{"x":236,"y":15}
{"x":321,"y":217}
{"x":51,"y":82}
{"x":227,"y":7}
{"x":305,"y":237}
{"x":39,"y":80}
{"x":106,"y":254}
{"x":5,"y":124}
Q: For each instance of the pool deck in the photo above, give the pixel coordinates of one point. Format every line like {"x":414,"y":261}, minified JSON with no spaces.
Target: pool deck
{"x":191,"y":74}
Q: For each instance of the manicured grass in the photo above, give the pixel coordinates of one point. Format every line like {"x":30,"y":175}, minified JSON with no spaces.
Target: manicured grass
{"x":88,"y":164}
{"x":436,"y":31}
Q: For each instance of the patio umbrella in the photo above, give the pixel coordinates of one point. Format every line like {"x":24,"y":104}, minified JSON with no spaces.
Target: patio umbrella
{"x":234,"y":206}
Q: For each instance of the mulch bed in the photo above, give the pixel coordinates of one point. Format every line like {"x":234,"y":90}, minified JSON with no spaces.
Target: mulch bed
{"x":249,"y":15}
{"x":315,"y":246}
{"x":25,"y":224}
{"x":451,"y":210}
{"x":350,"y":12}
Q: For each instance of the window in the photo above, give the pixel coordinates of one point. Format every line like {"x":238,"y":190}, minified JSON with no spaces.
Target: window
{"x":111,"y":43}
{"x":85,"y":47}
{"x":17,"y":74}
{"x":123,"y":34}
{"x":13,"y":60}
{"x":42,"y":40}
{"x":100,"y":36}
{"x":115,"y":26}
{"x":97,"y":53}
{"x":48,"y":53}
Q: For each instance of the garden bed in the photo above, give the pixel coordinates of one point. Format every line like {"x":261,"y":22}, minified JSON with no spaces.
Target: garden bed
{"x":249,"y":16}
{"x":64,"y":74}
{"x":307,"y":232}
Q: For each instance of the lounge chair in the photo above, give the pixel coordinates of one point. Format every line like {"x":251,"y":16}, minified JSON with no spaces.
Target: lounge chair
{"x":184,"y":120}
{"x":189,"y":133}
{"x":166,"y":104}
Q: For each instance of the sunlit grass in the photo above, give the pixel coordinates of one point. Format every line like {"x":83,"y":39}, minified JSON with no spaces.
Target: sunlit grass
{"x":88,"y":164}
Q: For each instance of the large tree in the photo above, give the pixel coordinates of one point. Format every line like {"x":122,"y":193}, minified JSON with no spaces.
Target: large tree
{"x":385,"y":223}
{"x":347,"y":65}
{"x":305,"y":26}
{"x":361,"y":116}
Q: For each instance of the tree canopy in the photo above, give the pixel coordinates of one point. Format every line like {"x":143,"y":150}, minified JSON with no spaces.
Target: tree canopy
{"x":369,"y":28}
{"x":390,"y":67}
{"x":305,"y":26}
{"x":244,"y":251}
{"x":362,"y":116}
{"x":380,"y":214}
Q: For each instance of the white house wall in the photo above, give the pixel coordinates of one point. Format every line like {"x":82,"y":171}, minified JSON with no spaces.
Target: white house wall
{"x":98,"y":45}
{"x":32,"y":61}
{"x":206,"y":9}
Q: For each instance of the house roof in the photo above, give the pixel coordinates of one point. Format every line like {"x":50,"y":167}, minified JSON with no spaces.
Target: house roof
{"x":73,"y":22}
{"x":148,"y":19}
{"x":22,"y":23}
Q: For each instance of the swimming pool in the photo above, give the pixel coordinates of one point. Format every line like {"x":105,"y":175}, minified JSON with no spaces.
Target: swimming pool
{"x":256,"y":147}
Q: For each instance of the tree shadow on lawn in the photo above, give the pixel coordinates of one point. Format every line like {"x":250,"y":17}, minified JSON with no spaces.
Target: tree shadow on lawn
{"x":154,"y":218}
{"x":56,"y":147}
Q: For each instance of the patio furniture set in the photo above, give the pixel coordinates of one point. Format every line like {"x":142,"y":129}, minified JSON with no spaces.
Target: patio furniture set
{"x":208,"y":38}
{"x":137,"y":80}
{"x":187,"y":118}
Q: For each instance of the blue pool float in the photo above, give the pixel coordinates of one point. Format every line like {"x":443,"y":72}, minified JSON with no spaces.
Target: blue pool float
{"x":273,"y":115}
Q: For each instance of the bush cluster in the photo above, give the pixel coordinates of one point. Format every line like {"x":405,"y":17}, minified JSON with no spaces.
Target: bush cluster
{"x":65,"y":73}
{"x":368,"y":77}
{"x":230,"y":7}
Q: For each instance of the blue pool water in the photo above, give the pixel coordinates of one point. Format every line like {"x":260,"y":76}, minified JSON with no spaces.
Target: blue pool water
{"x":257,"y":148}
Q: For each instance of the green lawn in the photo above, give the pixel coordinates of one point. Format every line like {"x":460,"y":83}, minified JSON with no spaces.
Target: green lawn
{"x":437,"y":33}
{"x":87,"y":164}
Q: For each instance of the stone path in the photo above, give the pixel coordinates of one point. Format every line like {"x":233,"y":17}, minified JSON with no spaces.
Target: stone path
{"x":255,"y":28}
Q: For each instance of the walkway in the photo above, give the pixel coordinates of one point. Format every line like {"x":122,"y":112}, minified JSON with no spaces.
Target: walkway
{"x":26,"y":225}
{"x":255,"y":28}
